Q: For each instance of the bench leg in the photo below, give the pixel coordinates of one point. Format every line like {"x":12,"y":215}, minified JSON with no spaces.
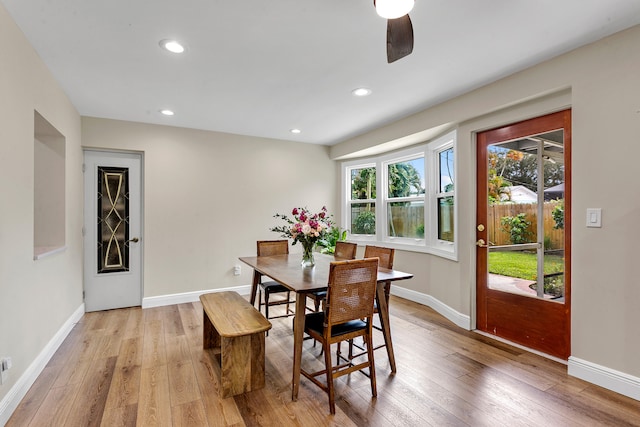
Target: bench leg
{"x":210,"y":337}
{"x":242,"y":364}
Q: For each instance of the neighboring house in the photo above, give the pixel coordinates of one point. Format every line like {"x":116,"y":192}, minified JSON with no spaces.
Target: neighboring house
{"x":554,"y":193}
{"x":518,"y":194}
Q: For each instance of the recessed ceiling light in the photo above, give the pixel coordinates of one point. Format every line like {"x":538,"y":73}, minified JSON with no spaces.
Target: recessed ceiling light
{"x":295,"y":131}
{"x":167,"y":112}
{"x":361,"y":91}
{"x":172,"y":46}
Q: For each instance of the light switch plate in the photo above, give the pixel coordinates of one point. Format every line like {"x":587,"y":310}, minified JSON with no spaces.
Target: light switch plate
{"x":594,"y":217}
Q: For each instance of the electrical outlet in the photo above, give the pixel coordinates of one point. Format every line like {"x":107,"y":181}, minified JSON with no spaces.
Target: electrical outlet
{"x":236,"y":270}
{"x":5,"y":365}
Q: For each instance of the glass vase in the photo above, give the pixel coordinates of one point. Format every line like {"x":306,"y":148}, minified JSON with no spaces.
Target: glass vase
{"x":307,"y":255}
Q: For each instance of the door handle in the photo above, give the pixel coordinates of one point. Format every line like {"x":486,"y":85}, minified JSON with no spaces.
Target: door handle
{"x":134,"y":240}
{"x":481,"y":243}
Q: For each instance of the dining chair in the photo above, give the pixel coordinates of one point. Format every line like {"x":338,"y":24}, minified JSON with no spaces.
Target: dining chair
{"x":348,"y":314}
{"x":343,"y":250}
{"x":268,"y":248}
{"x":385,"y":257}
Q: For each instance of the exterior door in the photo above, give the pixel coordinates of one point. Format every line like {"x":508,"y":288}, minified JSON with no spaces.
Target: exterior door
{"x":523,"y":240}
{"x":112,"y":230}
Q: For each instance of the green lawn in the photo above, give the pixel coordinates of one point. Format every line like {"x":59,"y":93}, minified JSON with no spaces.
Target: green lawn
{"x":522,"y":264}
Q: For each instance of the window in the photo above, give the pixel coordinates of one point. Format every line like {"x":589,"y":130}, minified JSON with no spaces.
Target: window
{"x":405,"y":199}
{"x":362,"y":200}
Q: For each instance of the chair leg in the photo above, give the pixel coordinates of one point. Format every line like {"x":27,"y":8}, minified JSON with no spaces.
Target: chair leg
{"x":328,"y":366}
{"x":288,"y":299}
{"x":372,"y":365}
{"x":266,"y":307}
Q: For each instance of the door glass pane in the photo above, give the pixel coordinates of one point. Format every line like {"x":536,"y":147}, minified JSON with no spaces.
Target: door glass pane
{"x":113,"y":219}
{"x":526,"y":239}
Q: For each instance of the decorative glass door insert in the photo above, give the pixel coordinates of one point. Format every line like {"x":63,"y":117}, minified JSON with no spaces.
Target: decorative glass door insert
{"x":113,"y":219}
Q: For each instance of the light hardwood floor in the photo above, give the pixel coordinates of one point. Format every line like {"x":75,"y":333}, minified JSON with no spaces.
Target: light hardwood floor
{"x":146,"y":367}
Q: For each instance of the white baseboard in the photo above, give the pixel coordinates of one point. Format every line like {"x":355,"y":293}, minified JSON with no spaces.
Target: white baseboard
{"x":182,"y":298}
{"x":26,"y":380}
{"x":602,"y":376}
{"x":608,"y":378}
{"x":461,"y":320}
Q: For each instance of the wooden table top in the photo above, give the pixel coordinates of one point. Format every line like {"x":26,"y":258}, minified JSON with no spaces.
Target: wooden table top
{"x":286,"y":269}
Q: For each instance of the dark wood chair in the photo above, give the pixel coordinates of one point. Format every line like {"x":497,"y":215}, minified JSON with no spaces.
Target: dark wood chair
{"x":267,"y":248}
{"x":343,"y":251}
{"x":348,"y":314}
{"x":385,"y":257}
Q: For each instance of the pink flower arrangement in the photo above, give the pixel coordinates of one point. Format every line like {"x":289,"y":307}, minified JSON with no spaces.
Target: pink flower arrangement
{"x":305,"y":227}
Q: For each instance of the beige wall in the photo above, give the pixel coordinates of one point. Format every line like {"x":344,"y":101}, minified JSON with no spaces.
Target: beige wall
{"x":36,"y":297}
{"x":209,"y":196}
{"x":601,"y":83}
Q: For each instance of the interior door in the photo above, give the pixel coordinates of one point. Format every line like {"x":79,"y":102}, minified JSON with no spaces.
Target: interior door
{"x":523,"y":247}
{"x":112,"y":230}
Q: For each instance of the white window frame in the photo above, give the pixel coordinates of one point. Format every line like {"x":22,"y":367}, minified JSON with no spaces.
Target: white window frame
{"x":385,"y":161}
{"x":430,"y":243}
{"x":347,"y":202}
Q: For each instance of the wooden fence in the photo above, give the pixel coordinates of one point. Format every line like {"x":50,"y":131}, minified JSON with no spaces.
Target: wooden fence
{"x":497,"y":236}
{"x":406,"y":220}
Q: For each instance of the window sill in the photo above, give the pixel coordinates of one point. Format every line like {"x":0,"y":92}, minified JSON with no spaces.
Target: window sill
{"x":40,"y":252}
{"x":448,"y":251}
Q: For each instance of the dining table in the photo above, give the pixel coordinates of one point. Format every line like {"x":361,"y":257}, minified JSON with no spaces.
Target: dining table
{"x":288,"y":271}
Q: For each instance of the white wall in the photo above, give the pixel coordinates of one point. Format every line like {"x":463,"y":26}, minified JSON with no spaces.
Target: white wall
{"x":601,"y":84}
{"x":209,"y":196}
{"x":36,"y":297}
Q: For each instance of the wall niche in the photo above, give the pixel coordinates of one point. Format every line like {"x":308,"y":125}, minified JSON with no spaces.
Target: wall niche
{"x":49,"y":188}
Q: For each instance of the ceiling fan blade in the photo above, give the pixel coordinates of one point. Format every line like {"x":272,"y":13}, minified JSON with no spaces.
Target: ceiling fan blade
{"x":399,"y":38}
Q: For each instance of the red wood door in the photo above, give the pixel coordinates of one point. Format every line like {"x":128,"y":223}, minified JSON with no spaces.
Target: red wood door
{"x":516,"y":238}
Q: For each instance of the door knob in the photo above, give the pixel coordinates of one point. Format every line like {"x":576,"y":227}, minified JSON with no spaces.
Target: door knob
{"x":134,"y":240}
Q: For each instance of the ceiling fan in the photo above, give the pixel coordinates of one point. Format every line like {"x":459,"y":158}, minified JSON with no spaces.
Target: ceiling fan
{"x":399,"y":28}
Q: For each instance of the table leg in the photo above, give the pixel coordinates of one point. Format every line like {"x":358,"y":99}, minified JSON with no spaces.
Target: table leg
{"x":254,"y":287}
{"x":298,"y":335}
{"x":384,"y":322}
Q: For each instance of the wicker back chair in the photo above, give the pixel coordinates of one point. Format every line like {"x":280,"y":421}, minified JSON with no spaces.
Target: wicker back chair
{"x":343,"y":250}
{"x":385,"y":257}
{"x":348,"y":314}
{"x":269,"y":248}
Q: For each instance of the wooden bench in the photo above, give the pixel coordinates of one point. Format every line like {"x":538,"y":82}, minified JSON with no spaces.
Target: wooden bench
{"x":235,"y":331}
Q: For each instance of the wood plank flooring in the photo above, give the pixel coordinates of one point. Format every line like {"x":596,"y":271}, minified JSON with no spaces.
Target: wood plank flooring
{"x":134,"y":367}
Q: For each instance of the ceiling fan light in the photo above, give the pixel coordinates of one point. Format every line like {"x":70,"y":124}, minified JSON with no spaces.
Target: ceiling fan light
{"x":392,"y":9}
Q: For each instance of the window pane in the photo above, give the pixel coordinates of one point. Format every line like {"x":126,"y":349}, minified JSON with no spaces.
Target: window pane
{"x":363,"y":184}
{"x":446,"y":171}
{"x":445,"y":219}
{"x":363,"y":218}
{"x":406,"y":178}
{"x":406,"y":219}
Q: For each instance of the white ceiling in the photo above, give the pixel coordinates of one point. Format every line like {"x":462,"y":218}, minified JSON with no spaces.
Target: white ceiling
{"x":262,"y":67}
